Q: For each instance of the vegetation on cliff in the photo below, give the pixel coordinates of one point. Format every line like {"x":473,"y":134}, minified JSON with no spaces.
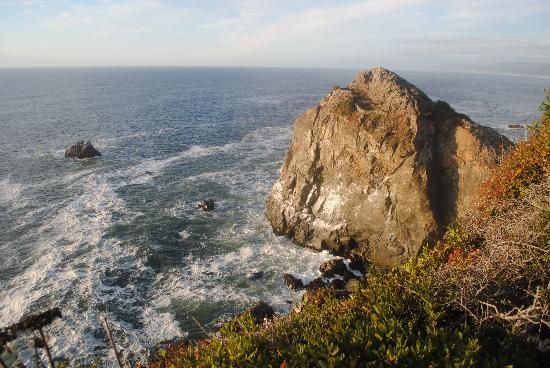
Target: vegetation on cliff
{"x":480,"y":297}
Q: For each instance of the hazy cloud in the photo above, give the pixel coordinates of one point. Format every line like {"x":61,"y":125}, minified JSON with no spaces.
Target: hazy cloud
{"x":346,"y":33}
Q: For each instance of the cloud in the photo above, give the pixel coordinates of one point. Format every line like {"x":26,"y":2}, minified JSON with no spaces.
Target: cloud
{"x":476,"y":11}
{"x":118,"y":18}
{"x":244,"y":19}
{"x":454,"y":41}
{"x":316,"y":20}
{"x":486,"y":49}
{"x":278,"y":32}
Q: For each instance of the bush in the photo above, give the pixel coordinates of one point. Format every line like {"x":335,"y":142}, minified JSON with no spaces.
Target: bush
{"x":346,"y":107}
{"x":393,"y":319}
{"x":443,"y":106}
{"x":498,"y":255}
{"x":527,"y":163}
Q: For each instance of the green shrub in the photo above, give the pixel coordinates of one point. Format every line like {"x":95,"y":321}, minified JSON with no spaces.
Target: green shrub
{"x":346,"y":107}
{"x":443,"y":106}
{"x":394,"y":319}
{"x":526,"y":164}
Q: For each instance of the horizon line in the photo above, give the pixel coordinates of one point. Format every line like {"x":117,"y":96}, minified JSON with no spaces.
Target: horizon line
{"x":433,"y":69}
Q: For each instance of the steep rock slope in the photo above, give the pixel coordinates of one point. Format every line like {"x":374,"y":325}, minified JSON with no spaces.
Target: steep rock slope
{"x":379,"y":169}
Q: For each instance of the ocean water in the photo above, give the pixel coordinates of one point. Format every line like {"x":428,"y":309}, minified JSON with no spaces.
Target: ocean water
{"x":119,"y":235}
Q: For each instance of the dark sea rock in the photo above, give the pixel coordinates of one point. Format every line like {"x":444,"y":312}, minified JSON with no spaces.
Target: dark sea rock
{"x":316,"y":284}
{"x":206,"y":205}
{"x":348,"y":275}
{"x":82,"y":149}
{"x":256,"y":275}
{"x":293,"y":282}
{"x":333,"y":267}
{"x":260,"y":311}
{"x":358,"y":263}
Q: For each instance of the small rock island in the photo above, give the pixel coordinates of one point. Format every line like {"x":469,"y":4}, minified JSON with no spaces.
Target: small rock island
{"x":82,"y":149}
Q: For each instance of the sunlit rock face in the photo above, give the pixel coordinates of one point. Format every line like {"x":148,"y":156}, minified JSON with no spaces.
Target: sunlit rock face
{"x":379,"y":169}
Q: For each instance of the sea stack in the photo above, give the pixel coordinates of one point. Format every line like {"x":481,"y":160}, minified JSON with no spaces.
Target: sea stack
{"x":379,"y":169}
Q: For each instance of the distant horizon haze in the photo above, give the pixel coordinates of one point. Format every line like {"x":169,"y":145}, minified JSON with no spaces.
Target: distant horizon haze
{"x":348,"y":34}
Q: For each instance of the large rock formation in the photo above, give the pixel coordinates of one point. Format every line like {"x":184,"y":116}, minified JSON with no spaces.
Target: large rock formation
{"x":379,"y":169}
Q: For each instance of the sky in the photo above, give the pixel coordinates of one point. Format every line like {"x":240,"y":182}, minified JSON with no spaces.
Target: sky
{"x":405,"y":34}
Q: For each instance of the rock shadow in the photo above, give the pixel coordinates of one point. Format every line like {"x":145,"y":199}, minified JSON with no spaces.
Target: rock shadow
{"x":436,"y":139}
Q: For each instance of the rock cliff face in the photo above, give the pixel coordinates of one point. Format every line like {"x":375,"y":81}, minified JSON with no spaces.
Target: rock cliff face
{"x":379,"y":169}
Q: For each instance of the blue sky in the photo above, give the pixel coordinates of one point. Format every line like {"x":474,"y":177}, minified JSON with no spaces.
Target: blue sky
{"x":406,"y":34}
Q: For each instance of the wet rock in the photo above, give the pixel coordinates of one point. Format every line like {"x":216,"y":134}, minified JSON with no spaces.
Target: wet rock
{"x":259,"y":312}
{"x":357,"y":263}
{"x":348,"y":275}
{"x":333,"y":267}
{"x":316,"y":284}
{"x":255,"y":275}
{"x":293,"y":282}
{"x":206,"y":205}
{"x":82,"y":149}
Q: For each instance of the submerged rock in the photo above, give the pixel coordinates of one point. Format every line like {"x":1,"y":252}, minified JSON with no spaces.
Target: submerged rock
{"x":316,"y":284}
{"x":255,"y":275}
{"x":350,"y":276}
{"x":206,"y":205}
{"x":293,"y":282}
{"x":82,"y":149}
{"x":380,"y":168}
{"x":259,"y":312}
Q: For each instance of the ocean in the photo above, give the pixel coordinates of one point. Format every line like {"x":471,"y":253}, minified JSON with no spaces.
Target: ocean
{"x":119,"y":235}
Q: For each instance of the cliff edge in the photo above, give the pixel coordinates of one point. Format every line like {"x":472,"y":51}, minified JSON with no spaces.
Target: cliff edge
{"x":379,"y":169}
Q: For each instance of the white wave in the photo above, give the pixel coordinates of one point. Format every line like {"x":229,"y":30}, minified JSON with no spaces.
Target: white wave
{"x":216,"y":279}
{"x":71,"y":256}
{"x":159,"y":326}
{"x":265,"y":100}
{"x":257,"y":144}
{"x":197,"y":151}
{"x":184,"y":234}
{"x":147,"y":170}
{"x":9,"y":191}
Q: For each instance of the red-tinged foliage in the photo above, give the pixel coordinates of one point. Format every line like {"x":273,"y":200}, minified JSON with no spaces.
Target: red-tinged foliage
{"x":526,"y":164}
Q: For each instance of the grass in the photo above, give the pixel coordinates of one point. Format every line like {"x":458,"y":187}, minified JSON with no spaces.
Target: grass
{"x":346,"y":107}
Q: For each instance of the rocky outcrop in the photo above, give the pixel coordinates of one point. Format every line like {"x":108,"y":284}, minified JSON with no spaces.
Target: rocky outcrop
{"x":82,"y":149}
{"x":206,"y":205}
{"x":259,"y":312}
{"x":379,"y":169}
{"x":293,"y":282}
{"x":316,"y":284}
{"x":333,"y":267}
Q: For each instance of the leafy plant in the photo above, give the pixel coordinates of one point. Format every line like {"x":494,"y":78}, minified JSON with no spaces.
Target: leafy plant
{"x":526,"y":164}
{"x":346,"y":107}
